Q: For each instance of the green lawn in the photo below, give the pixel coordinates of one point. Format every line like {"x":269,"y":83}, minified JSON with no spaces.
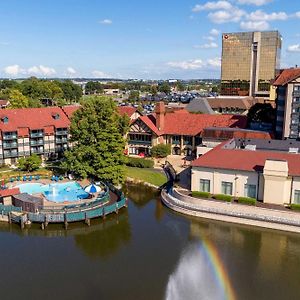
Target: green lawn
{"x":147,"y":175}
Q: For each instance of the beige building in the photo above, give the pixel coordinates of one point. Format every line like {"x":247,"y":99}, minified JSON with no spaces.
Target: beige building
{"x":250,"y":60}
{"x":267,"y":170}
{"x":287,"y":86}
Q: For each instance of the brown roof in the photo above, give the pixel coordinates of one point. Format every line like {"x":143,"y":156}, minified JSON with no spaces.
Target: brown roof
{"x":128,"y":110}
{"x":286,"y":76}
{"x":9,"y":192}
{"x":245,"y":160}
{"x":240,"y":103}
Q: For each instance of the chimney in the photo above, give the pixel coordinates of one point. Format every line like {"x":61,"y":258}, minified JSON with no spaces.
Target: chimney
{"x":160,"y":111}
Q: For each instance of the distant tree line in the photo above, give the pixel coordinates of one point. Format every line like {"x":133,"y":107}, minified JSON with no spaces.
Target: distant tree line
{"x":30,"y":92}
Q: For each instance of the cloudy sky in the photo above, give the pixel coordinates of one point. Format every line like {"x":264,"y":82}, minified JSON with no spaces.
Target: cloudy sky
{"x":134,"y":39}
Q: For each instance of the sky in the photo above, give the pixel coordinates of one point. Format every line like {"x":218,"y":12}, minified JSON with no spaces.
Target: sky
{"x":134,"y":39}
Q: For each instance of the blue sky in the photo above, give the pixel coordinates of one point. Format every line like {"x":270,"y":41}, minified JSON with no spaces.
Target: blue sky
{"x":134,"y":39}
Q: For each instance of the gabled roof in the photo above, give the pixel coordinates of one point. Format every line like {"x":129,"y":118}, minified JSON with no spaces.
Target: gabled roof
{"x":128,"y":110}
{"x":70,"y":109}
{"x":200,"y":105}
{"x":245,"y":160}
{"x":9,"y":192}
{"x":32,"y":118}
{"x":182,"y":122}
{"x":286,"y":76}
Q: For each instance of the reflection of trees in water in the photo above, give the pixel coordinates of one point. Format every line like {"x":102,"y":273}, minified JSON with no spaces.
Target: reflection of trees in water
{"x":114,"y":233}
{"x":139,"y":194}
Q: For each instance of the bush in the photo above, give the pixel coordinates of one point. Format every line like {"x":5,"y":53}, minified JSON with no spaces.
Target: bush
{"x":295,"y":206}
{"x":140,"y":162}
{"x":222,"y":197}
{"x":30,"y":163}
{"x":161,"y":151}
{"x":246,"y":200}
{"x":201,"y":194}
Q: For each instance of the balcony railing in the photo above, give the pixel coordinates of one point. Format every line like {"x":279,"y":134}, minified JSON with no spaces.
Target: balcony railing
{"x":36,"y":142}
{"x":61,"y":141}
{"x":36,"y":134}
{"x":37,"y":151}
{"x":296,"y":94}
{"x":10,"y":145}
{"x":138,"y":142}
{"x":10,"y":154}
{"x":62,"y":132}
{"x":10,"y":137}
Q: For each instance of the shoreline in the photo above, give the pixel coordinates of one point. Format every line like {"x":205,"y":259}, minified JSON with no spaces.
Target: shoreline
{"x":225,"y":212}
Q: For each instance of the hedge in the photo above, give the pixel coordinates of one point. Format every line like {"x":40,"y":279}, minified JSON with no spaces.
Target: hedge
{"x":222,"y":197}
{"x":246,"y":200}
{"x":140,"y":162}
{"x":201,"y":194}
{"x":295,"y":206}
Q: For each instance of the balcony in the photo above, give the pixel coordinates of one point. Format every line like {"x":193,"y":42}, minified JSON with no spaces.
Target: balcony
{"x":36,"y":142}
{"x":61,"y":141}
{"x":174,"y":142}
{"x":10,"y":145}
{"x":37,"y":151}
{"x":296,"y":94}
{"x":9,"y":137}
{"x":36,"y":134}
{"x":138,"y":142}
{"x":10,"y":154}
{"x":61,"y":132}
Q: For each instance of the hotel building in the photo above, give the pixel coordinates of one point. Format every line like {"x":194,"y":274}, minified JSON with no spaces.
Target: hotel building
{"x":250,"y":60}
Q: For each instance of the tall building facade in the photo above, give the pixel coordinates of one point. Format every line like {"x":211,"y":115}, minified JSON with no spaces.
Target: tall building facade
{"x":250,"y":60}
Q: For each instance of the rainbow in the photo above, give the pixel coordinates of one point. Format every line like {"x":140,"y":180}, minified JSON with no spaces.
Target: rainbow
{"x":219,"y":269}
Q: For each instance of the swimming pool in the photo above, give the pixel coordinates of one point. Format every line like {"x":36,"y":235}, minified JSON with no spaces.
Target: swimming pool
{"x":57,"y":192}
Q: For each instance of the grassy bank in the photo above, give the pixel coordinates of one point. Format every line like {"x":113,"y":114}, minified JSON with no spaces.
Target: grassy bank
{"x":147,"y":175}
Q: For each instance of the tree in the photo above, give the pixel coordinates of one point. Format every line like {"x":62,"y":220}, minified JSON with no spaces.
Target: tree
{"x":97,"y":133}
{"x":71,"y":91}
{"x":17,"y":99}
{"x":180,"y":86}
{"x":165,"y":88}
{"x":261,"y":112}
{"x":93,"y":87}
{"x":30,"y":163}
{"x":134,"y":96}
{"x":161,"y":151}
{"x":153,"y":90}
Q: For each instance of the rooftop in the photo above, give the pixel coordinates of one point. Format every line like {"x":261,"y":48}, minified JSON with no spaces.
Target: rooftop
{"x":286,"y":76}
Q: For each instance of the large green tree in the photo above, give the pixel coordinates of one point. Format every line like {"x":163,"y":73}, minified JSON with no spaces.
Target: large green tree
{"x":98,"y":140}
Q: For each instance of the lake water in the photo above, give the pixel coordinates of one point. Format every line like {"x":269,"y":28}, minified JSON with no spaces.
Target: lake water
{"x":148,"y":252}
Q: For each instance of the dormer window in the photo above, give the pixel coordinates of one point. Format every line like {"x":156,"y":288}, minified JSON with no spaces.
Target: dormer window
{"x":5,"y":120}
{"x":55,"y":116}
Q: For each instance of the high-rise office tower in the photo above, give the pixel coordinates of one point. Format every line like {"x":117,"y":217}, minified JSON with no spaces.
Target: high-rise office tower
{"x":250,"y":60}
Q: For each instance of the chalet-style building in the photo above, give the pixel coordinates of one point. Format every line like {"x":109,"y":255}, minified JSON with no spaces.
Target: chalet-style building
{"x":181,"y":129}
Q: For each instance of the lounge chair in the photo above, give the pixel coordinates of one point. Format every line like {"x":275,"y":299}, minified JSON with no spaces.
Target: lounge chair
{"x":12,"y":179}
{"x":24,"y":178}
{"x":30,"y":178}
{"x":61,"y":177}
{"x":37,"y":177}
{"x":18,"y":178}
{"x":53,"y":178}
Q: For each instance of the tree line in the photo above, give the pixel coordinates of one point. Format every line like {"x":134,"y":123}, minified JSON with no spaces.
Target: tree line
{"x":30,"y":92}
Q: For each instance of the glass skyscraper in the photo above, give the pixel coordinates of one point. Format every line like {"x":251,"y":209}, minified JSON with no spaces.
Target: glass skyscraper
{"x":250,"y":60}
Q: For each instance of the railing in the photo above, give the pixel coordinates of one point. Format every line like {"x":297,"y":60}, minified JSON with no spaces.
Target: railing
{"x":38,"y":142}
{"x":10,"y":137}
{"x":11,"y":154}
{"x":296,"y":94}
{"x":5,"y":209}
{"x":37,"y":151}
{"x":63,"y":132}
{"x":36,"y":134}
{"x":139,"y":142}
{"x":10,"y":145}
{"x":61,"y":141}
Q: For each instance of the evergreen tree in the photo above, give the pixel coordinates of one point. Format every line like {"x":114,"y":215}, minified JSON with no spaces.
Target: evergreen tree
{"x":98,"y":140}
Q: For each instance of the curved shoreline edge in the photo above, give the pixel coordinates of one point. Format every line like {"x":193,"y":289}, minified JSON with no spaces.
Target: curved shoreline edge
{"x":232,"y":213}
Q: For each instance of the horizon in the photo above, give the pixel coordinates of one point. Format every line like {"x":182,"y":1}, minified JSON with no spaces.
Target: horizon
{"x":117,"y":40}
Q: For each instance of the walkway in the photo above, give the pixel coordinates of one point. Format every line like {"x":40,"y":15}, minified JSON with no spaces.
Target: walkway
{"x":231,"y":212}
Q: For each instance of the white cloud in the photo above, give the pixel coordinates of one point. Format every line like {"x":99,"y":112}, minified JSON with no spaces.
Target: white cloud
{"x":214,"y":32}
{"x":294,"y":48}
{"x":207,"y":46}
{"x":260,"y":15}
{"x":106,"y":22}
{"x":254,"y":2}
{"x":41,"y":71}
{"x":224,"y":16}
{"x":71,"y":71}
{"x":258,"y":25}
{"x":195,"y":64}
{"x":210,"y":38}
{"x":297,"y":14}
{"x":214,"y":5}
{"x":99,"y":74}
{"x":13,"y":70}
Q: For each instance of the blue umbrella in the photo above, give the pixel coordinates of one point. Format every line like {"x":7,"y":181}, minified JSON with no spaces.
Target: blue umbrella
{"x":92,"y":189}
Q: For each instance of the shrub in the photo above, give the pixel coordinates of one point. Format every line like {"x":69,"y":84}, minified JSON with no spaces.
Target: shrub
{"x":222,"y":197}
{"x":140,"y":162}
{"x":295,"y":206}
{"x":30,"y":163}
{"x":161,"y":151}
{"x":246,"y":200}
{"x":201,"y":194}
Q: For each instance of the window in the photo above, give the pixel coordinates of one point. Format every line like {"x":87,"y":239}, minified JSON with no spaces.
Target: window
{"x":297,"y":197}
{"x":205,"y":185}
{"x":226,"y":188}
{"x":297,"y":88}
{"x":250,"y":191}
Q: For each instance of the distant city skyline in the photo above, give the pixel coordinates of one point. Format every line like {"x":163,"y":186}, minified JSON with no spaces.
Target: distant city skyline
{"x":136,"y":39}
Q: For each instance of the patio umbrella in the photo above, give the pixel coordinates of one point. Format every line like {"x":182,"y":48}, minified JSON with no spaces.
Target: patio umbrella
{"x":92,"y":189}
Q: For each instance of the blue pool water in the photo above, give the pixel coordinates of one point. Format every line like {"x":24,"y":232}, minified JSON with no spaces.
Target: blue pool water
{"x":57,"y":192}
